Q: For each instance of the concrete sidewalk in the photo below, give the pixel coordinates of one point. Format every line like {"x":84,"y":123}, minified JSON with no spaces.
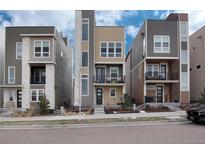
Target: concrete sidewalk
{"x":103,"y":116}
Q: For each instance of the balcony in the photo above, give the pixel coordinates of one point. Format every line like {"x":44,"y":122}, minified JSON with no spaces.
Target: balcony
{"x":38,"y":80}
{"x":109,"y":79}
{"x":161,"y":75}
{"x":38,"y":75}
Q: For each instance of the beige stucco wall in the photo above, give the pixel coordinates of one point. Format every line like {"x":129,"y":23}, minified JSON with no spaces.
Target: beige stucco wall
{"x":106,"y":34}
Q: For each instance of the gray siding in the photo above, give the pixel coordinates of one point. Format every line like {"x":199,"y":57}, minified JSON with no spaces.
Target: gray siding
{"x":2,"y":44}
{"x":161,"y":27}
{"x":63,"y":71}
{"x":88,"y":100}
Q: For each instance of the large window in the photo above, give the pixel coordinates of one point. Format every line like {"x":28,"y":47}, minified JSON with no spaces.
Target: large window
{"x":38,"y":75}
{"x":161,"y":44}
{"x":11,"y":74}
{"x":111,"y":49}
{"x":84,"y":79}
{"x":184,"y":57}
{"x":41,"y":48}
{"x":85,"y":31}
{"x":84,"y":59}
{"x":36,"y":94}
{"x":18,"y":50}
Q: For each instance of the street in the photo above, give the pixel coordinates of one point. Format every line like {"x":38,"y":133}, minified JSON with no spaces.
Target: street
{"x":144,"y":132}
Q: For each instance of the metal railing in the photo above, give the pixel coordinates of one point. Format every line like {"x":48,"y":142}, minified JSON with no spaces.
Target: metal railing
{"x":38,"y":80}
{"x":109,"y":79}
{"x":161,"y":75}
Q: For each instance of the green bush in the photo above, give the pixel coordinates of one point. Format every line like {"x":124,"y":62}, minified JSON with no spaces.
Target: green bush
{"x":126,"y":101}
{"x":44,"y":105}
{"x":202,"y":97}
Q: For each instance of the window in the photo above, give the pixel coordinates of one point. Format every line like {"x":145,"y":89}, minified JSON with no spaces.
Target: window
{"x":114,"y":72}
{"x":184,"y":81}
{"x":103,"y":49}
{"x":118,"y":49}
{"x":111,"y":49}
{"x":18,"y":50}
{"x":113,"y":92}
{"x":11,"y":74}
{"x":198,"y":67}
{"x":41,"y":48}
{"x":183,"y":45}
{"x":85,"y":31}
{"x":161,"y":44}
{"x":184,"y":57}
{"x":143,"y":45}
{"x":152,"y":70}
{"x":36,"y":94}
{"x":84,"y":85}
{"x":84,"y":59}
{"x":183,"y":28}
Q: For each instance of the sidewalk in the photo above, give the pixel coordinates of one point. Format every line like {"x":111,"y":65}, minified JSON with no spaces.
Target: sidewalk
{"x":103,"y":116}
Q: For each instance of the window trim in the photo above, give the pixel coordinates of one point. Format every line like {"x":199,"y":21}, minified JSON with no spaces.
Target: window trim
{"x":161,"y":44}
{"x":82,"y":84}
{"x":117,"y":70}
{"x":9,"y":82}
{"x":82,"y":28}
{"x":37,"y":94}
{"x":21,"y":50}
{"x":49,"y":51}
{"x":82,"y":59}
{"x":111,"y":92}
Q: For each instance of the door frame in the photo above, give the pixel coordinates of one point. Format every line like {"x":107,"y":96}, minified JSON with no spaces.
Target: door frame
{"x":166,"y":75}
{"x":96,"y":95}
{"x":101,"y":66}
{"x":162,"y":92}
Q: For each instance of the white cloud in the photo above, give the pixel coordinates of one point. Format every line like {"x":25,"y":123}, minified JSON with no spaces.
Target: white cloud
{"x":132,"y":30}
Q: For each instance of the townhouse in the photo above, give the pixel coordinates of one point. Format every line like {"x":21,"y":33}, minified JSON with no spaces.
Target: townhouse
{"x":100,"y":66}
{"x":38,"y":62}
{"x":157,"y":65}
{"x":2,"y":43}
{"x":197,"y":64}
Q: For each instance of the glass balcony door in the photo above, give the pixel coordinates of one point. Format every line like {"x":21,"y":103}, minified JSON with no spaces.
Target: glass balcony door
{"x":100,"y":75}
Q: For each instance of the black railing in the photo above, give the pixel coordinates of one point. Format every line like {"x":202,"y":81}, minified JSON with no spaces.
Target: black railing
{"x":38,"y":80}
{"x":109,"y":79}
{"x":161,"y":75}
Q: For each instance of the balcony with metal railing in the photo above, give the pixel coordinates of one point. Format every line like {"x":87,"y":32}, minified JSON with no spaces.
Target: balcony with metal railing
{"x":161,"y":75}
{"x":109,"y":79}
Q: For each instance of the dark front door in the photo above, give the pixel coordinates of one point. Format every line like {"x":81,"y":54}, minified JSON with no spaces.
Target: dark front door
{"x":159,"y":94}
{"x":99,"y":96}
{"x":19,"y":98}
{"x":100,"y":75}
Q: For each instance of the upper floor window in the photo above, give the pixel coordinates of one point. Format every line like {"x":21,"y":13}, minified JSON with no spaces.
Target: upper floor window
{"x":111,"y":49}
{"x":41,"y":48}
{"x":161,"y":44}
{"x":85,"y":31}
{"x":18,"y":50}
{"x":84,"y":59}
{"x":114,"y":72}
{"x":11,"y":74}
{"x":183,"y":28}
{"x":184,"y":57}
{"x":84,"y":79}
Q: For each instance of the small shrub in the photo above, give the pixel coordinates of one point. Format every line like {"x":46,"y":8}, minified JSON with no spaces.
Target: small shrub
{"x":44,"y":105}
{"x":126,"y":101}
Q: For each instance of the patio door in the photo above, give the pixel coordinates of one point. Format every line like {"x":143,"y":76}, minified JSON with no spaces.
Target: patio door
{"x":163,"y":73}
{"x":100,"y":75}
{"x":160,"y":94}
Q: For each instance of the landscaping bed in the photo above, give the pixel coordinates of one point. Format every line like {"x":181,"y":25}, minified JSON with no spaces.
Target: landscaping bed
{"x":118,"y":111}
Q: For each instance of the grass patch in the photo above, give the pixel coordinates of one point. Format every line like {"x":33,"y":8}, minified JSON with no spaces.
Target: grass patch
{"x":83,"y":121}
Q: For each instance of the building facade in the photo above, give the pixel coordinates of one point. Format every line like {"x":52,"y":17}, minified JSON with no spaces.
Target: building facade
{"x":197,"y":64}
{"x":100,"y":62}
{"x":157,"y":63}
{"x":38,"y":62}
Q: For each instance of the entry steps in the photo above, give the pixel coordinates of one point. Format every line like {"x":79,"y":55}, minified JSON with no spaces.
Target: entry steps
{"x":99,"y":109}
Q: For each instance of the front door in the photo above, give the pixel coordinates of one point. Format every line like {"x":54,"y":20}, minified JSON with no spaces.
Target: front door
{"x":100,"y":75}
{"x":99,"y":96}
{"x":159,"y":94}
{"x":19,"y":99}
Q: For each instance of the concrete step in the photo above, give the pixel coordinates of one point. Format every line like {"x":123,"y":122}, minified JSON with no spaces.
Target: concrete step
{"x":99,"y":109}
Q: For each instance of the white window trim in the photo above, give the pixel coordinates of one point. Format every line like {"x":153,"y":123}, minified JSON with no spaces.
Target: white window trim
{"x":88,"y":29}
{"x":21,"y":49}
{"x":9,"y":67}
{"x":107,"y":49}
{"x":115,"y":92}
{"x":114,"y":68}
{"x":82,"y":59}
{"x":49,"y":51}
{"x":153,"y":67}
{"x":37,"y":94}
{"x":161,"y":36}
{"x":87,"y":83}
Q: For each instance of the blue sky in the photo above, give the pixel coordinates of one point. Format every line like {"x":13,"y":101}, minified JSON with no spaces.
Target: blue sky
{"x":65,"y":22}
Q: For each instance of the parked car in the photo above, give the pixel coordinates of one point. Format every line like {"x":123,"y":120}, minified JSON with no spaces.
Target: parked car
{"x":196,"y":114}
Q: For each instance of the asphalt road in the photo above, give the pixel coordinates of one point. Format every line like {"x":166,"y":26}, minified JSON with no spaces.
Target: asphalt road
{"x":147,"y":132}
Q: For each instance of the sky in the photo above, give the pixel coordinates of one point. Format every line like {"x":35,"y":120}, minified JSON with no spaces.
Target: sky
{"x":65,"y":20}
